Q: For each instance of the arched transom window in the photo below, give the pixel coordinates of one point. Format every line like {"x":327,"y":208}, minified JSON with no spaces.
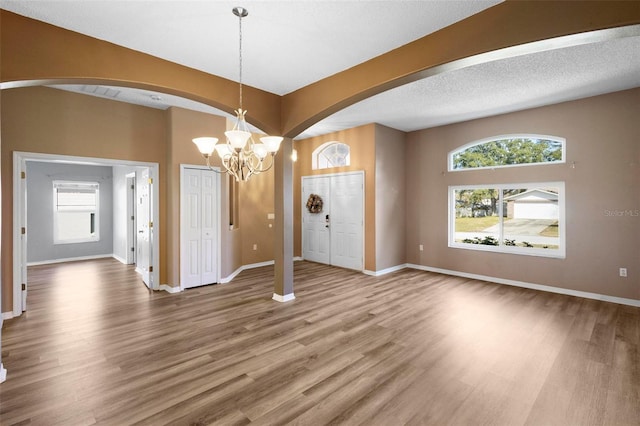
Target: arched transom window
{"x":331,"y":154}
{"x":508,"y":150}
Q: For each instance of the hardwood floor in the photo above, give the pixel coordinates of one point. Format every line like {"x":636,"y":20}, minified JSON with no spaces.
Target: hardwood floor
{"x":412,"y":347}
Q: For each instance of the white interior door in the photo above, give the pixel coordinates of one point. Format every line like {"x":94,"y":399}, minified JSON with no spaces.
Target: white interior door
{"x":334,"y":236}
{"x":316,"y":231}
{"x":347,"y":221}
{"x":145,"y":228}
{"x":199,"y":228}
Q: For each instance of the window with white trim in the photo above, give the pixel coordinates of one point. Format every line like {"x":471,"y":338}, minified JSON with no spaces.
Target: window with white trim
{"x":508,"y":151}
{"x":331,"y":154}
{"x":75,"y":212}
{"x":524,"y":218}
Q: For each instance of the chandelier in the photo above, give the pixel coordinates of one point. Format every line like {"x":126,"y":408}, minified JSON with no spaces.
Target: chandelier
{"x":241,"y":156}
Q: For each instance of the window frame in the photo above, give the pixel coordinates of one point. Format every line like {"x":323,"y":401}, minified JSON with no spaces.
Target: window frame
{"x":559,"y":253}
{"x":451,"y":154}
{"x":95,"y":237}
{"x":315,"y":163}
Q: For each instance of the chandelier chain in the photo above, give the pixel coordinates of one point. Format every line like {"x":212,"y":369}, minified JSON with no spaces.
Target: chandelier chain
{"x":240,"y":58}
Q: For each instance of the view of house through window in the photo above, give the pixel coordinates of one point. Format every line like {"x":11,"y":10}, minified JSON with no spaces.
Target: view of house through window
{"x":331,"y":154}
{"x":510,"y":150}
{"x":75,"y":212}
{"x":522,"y":218}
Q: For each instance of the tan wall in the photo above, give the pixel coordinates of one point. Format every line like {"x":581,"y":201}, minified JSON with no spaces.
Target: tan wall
{"x":602,"y":134}
{"x":390,"y":198}
{"x":362,"y":142}
{"x":44,"y":120}
{"x":256,"y":202}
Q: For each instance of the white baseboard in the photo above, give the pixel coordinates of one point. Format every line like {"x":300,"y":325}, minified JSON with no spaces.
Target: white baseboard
{"x":297,"y":258}
{"x":286,"y":298}
{"x":385,"y":271}
{"x":169,"y":289}
{"x":540,"y":287}
{"x":7,"y":315}
{"x":258,"y":265}
{"x":3,"y":373}
{"x":120,"y":259}
{"x":244,"y":268}
{"x":69,"y":259}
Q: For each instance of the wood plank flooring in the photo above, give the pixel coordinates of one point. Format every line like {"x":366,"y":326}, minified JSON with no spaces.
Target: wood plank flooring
{"x":412,"y":347}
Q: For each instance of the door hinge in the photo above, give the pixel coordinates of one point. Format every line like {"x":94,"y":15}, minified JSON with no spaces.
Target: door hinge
{"x":23,"y":230}
{"x":133,"y":218}
{"x":150,"y":224}
{"x":23,"y":175}
{"x":150,"y":268}
{"x":133,"y":187}
{"x":24,"y":287}
{"x":150,"y":181}
{"x":133,"y":249}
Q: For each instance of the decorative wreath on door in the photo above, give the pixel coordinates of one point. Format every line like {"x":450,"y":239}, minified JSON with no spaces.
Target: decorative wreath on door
{"x":314,"y":203}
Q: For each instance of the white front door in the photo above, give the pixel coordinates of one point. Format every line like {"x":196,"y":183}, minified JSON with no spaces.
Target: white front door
{"x":347,"y":221}
{"x":199,"y":228}
{"x":315,"y":226}
{"x":145,"y":226}
{"x":335,"y":235}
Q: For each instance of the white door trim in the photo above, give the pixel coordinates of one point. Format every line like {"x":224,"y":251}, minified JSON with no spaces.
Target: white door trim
{"x":183,"y":167}
{"x":364,"y":203}
{"x":130,"y":178}
{"x":20,"y":212}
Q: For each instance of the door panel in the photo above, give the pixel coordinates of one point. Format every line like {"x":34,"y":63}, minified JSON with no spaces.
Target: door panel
{"x":346,"y":221}
{"x":191,"y":229}
{"x":316,"y":246}
{"x":143,"y":213}
{"x":209,"y":228}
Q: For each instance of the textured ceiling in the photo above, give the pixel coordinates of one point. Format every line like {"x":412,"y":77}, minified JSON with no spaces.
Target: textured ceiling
{"x":287,"y":45}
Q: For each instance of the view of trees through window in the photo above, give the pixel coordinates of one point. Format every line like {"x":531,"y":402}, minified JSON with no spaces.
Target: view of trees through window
{"x":512,"y":218}
{"x":508,"y":151}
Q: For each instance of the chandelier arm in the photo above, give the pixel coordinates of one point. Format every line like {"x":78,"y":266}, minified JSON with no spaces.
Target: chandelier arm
{"x":210,"y":167}
{"x":272,"y":162}
{"x":236,"y":167}
{"x":253,"y":163}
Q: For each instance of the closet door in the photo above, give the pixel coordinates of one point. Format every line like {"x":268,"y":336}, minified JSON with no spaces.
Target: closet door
{"x":199,"y":218}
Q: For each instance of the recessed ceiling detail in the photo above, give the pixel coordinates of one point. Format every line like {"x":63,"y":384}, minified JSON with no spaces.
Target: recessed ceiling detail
{"x":102,"y":91}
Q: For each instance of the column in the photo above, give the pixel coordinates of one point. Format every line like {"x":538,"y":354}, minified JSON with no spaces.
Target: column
{"x":283,"y":244}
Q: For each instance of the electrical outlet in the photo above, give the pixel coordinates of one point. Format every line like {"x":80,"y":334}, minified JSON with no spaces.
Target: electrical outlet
{"x":255,"y":247}
{"x":421,"y":247}
{"x":623,"y":272}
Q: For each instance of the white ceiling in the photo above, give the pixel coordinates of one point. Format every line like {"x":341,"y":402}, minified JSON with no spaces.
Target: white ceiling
{"x":289,"y":44}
